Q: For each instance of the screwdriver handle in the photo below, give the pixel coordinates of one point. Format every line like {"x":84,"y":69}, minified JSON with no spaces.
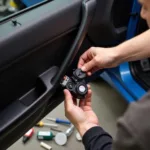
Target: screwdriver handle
{"x":42,"y":124}
{"x":62,"y":121}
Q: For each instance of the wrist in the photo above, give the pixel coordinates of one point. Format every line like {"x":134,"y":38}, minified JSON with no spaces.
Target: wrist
{"x":124,"y":52}
{"x":117,"y":55}
{"x":83,"y":128}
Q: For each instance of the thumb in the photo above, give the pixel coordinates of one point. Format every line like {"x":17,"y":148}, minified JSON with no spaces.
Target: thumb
{"x":68,"y":99}
{"x":88,"y":66}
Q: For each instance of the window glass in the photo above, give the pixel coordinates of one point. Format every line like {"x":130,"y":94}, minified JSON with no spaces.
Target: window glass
{"x":8,"y":7}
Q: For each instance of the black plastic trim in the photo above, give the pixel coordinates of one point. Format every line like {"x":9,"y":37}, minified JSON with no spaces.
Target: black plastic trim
{"x":141,"y":77}
{"x":37,"y":98}
{"x":9,"y":116}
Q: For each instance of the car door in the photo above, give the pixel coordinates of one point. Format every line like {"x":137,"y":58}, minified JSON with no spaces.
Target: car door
{"x":39,"y":45}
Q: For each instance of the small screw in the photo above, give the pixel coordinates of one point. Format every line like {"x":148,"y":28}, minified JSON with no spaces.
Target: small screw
{"x":15,"y":23}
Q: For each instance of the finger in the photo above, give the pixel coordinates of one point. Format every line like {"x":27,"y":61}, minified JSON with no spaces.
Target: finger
{"x":81,"y":103}
{"x":88,"y":66}
{"x":75,"y":101}
{"x":88,"y":98}
{"x":81,"y":63}
{"x":82,"y":59}
{"x":68,"y":99}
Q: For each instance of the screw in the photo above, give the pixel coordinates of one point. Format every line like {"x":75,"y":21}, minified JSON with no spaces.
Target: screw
{"x":15,"y":23}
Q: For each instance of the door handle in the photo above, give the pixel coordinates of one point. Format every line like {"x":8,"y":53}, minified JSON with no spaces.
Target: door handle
{"x":88,"y":9}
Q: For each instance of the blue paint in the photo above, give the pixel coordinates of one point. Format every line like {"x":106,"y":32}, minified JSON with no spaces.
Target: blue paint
{"x":133,"y":20}
{"x":136,"y":90}
{"x":117,"y":84}
{"x":29,"y":3}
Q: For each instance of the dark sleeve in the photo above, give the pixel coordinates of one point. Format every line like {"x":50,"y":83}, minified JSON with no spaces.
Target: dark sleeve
{"x":97,"y":139}
{"x":125,"y":139}
{"x":134,"y":127}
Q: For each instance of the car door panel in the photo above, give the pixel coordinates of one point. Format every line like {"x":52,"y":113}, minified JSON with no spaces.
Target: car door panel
{"x":25,"y":70}
{"x":27,"y":56}
{"x":33,"y":30}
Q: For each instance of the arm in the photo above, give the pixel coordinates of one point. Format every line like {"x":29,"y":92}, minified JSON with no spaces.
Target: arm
{"x":134,"y":49}
{"x":97,"y":139}
{"x":98,"y":58}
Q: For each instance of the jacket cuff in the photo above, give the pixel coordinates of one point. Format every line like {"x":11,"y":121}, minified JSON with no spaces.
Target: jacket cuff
{"x":91,"y":133}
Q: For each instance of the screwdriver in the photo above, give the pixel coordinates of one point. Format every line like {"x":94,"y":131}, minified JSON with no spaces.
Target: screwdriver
{"x":69,"y":131}
{"x":58,"y":120}
{"x":42,"y":124}
{"x":28,"y":135}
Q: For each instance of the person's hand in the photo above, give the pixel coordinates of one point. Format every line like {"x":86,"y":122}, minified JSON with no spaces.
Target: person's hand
{"x":98,"y":58}
{"x":82,"y":115}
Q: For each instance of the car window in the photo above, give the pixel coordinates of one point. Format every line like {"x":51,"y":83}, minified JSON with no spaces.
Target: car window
{"x":8,"y":7}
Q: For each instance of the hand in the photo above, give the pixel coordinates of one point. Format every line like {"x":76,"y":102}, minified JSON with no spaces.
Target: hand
{"x":98,"y":58}
{"x":81,"y":116}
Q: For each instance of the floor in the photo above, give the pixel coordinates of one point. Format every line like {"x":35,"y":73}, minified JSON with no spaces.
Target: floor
{"x":107,"y":104}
